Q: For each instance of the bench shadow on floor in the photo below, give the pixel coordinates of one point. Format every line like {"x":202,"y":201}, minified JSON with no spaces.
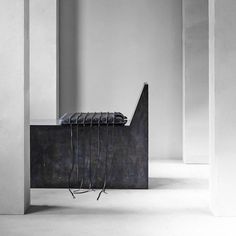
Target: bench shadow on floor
{"x":178,"y":183}
{"x":76,"y":210}
{"x":155,"y":183}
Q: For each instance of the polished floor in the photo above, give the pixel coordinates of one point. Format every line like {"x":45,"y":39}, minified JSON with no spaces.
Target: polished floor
{"x":175,"y":205}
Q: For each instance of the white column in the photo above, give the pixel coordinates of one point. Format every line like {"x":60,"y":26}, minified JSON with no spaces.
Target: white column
{"x":43,"y":59}
{"x":14,"y":100}
{"x":223,"y":106}
{"x":195,"y":81}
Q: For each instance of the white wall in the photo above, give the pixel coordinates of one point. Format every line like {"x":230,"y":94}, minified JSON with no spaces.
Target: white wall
{"x":108,"y":48}
{"x":223,"y":106}
{"x":195,"y":81}
{"x":43,"y":59}
{"x":14,"y":100}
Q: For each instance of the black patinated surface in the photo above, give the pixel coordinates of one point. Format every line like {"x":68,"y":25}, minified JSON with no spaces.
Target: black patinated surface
{"x":126,"y":147}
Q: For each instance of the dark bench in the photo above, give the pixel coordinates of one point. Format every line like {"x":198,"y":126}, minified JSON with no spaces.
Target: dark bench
{"x":123,"y":156}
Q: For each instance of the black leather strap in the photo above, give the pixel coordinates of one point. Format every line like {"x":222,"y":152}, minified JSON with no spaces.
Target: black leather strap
{"x":93,"y":118}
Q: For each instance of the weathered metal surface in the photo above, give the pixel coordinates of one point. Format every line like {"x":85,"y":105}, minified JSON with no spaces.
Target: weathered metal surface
{"x":126,"y":148}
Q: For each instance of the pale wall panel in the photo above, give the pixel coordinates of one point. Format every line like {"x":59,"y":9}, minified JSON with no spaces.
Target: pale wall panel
{"x":43,"y":59}
{"x":108,"y":49}
{"x":195,"y":81}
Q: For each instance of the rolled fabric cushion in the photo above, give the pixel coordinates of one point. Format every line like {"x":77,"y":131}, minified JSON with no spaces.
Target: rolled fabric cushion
{"x":93,"y":118}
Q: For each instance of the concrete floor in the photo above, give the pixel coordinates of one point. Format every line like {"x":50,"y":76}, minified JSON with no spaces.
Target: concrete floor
{"x":175,"y":204}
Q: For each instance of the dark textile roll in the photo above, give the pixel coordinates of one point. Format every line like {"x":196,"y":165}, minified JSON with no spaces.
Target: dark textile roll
{"x":93,"y":118}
